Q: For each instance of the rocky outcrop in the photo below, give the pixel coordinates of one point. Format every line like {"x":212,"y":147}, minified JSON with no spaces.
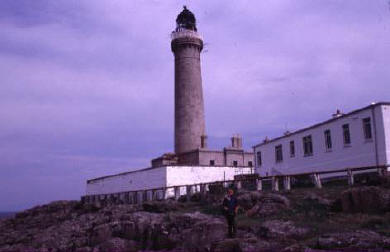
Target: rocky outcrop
{"x":228,"y":245}
{"x":367,"y":199}
{"x":359,"y":239}
{"x":263,"y":204}
{"x":318,"y":199}
{"x":271,"y":221}
{"x":67,"y":226}
{"x":282,"y":230}
{"x":116,"y":244}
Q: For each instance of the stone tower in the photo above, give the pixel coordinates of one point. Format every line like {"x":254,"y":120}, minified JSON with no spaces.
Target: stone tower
{"x":186,"y":45}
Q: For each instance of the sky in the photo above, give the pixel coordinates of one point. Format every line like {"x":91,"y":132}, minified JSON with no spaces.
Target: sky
{"x":86,"y":87}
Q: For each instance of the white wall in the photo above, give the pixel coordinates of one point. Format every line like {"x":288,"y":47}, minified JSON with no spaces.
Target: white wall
{"x":162,"y":177}
{"x":185,"y":175}
{"x":131,"y":181}
{"x":360,"y":153}
{"x":385,"y":111}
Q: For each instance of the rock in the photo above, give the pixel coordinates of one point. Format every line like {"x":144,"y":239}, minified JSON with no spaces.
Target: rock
{"x":358,"y":239}
{"x":170,"y":225}
{"x":318,"y":199}
{"x":161,"y":206}
{"x":118,"y":244}
{"x":253,"y":211}
{"x":198,"y":230}
{"x":295,"y":248}
{"x":196,"y":197}
{"x":101,"y":233}
{"x":250,"y":238}
{"x":188,"y":220}
{"x":84,"y":249}
{"x":245,"y":201}
{"x":228,"y":245}
{"x":336,"y":206}
{"x":262,"y":245}
{"x":263,"y":205}
{"x":365,"y":199}
{"x":281,"y":230}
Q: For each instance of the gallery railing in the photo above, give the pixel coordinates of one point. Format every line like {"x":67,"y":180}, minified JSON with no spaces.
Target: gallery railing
{"x":185,"y":33}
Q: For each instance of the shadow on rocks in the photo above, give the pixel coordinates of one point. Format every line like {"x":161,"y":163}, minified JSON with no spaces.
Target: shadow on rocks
{"x":161,"y":206}
{"x":366,"y":199}
{"x":228,"y":245}
{"x":261,"y":204}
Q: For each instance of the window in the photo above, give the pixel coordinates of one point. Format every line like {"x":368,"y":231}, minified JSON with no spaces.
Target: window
{"x":328,"y":140}
{"x":367,"y":128}
{"x":292,"y":149}
{"x":212,"y":162}
{"x":307,"y":146}
{"x":278,"y":153}
{"x":258,"y":156}
{"x":346,"y":134}
{"x":250,"y":164}
{"x":235,"y":164}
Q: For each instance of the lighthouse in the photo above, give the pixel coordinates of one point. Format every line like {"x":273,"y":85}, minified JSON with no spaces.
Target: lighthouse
{"x":192,"y":163}
{"x":186,"y":46}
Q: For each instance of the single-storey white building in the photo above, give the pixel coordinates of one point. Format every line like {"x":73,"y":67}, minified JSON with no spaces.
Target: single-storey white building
{"x":161,"y":177}
{"x":360,"y":138}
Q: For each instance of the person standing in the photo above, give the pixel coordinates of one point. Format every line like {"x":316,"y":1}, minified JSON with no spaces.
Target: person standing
{"x":230,"y":207}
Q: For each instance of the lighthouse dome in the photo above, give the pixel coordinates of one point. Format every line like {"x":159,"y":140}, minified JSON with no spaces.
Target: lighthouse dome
{"x":186,"y":20}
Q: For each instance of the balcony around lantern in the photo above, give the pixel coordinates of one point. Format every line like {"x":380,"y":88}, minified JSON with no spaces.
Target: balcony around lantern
{"x":182,"y":32}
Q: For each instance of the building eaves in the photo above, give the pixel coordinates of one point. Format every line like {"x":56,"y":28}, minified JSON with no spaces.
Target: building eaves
{"x":322,"y":123}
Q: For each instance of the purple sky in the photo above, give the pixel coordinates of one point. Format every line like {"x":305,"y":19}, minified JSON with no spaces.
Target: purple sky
{"x":87,"y":86}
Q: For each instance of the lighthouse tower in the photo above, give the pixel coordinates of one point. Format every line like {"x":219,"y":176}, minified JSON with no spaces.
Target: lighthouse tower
{"x":189,"y":109}
{"x":192,"y":163}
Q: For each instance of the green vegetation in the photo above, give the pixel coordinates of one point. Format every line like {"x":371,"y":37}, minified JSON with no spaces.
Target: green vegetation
{"x":316,"y":209}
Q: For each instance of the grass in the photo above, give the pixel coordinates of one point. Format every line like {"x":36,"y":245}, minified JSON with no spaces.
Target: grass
{"x":305,"y":211}
{"x":378,"y":223}
{"x":248,"y":223}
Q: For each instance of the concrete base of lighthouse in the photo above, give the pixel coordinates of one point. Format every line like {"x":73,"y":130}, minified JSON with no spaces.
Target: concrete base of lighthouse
{"x":160,"y":177}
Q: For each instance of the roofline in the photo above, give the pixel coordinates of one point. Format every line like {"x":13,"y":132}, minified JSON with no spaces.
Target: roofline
{"x":122,"y":173}
{"x":214,"y":151}
{"x":162,"y":166}
{"x":322,"y":123}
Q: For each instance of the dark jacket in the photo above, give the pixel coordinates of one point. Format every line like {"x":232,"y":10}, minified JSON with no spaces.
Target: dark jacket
{"x":230,"y":203}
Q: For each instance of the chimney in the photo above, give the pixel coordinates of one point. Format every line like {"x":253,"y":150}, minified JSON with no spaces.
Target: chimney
{"x":236,"y":141}
{"x":337,"y":114}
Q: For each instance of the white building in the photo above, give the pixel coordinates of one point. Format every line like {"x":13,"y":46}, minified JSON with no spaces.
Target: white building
{"x":160,"y":177}
{"x":360,"y":138}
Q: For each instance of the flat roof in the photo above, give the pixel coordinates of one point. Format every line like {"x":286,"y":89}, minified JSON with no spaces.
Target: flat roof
{"x":324,"y":122}
{"x":216,"y":151}
{"x":122,"y":173}
{"x":151,"y":168}
{"x":172,"y":165}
